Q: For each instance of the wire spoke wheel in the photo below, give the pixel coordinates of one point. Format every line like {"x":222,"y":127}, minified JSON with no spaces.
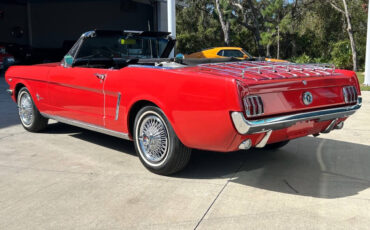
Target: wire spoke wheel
{"x":29,"y":115}
{"x":26,"y":112}
{"x":157,"y":144}
{"x":153,"y":138}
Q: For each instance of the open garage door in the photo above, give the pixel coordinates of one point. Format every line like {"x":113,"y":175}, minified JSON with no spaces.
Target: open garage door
{"x":42,"y":30}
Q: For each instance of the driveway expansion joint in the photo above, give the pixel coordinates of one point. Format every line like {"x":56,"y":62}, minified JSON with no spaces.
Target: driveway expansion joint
{"x":218,"y":195}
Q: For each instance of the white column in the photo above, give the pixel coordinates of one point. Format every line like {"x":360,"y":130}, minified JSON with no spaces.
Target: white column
{"x":367,"y":63}
{"x":162,"y":16}
{"x":171,"y":19}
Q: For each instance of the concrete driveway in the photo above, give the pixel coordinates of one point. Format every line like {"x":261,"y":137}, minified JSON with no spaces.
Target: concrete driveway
{"x":70,"y":178}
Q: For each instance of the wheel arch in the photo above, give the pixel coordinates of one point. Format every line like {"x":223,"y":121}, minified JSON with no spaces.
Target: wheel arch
{"x":19,"y":85}
{"x":134,"y":109}
{"x":17,"y":88}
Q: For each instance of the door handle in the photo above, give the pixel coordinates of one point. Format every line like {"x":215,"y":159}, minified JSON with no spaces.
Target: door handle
{"x":100,"y":76}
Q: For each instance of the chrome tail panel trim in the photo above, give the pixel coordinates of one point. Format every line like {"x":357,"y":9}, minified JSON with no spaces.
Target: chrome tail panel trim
{"x":117,"y":106}
{"x":88,"y":126}
{"x":244,"y":126}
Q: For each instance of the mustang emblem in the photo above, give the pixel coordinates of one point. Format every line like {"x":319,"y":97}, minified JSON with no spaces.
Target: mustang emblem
{"x":39,"y":97}
{"x":307,"y":98}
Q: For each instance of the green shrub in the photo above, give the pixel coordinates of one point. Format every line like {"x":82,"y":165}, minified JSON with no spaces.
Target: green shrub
{"x":342,"y":55}
{"x":304,"y":58}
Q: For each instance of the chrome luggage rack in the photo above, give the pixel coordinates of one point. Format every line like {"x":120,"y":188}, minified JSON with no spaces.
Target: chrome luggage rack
{"x":262,"y":70}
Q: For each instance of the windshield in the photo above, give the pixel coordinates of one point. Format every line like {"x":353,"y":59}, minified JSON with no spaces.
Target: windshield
{"x":122,"y":46}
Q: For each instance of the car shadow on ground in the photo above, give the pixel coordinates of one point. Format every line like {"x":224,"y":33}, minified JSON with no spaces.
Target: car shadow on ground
{"x":308,"y":166}
{"x":93,"y":137}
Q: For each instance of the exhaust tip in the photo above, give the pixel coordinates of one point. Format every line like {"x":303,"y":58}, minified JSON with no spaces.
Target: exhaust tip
{"x":245,"y":145}
{"x":339,"y":125}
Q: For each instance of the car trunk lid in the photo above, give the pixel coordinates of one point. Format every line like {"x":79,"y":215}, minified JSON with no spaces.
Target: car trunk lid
{"x":282,"y":86}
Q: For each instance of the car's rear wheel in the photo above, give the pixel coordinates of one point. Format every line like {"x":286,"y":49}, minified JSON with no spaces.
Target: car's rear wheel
{"x":276,"y":145}
{"x":29,"y":115}
{"x":156,"y":143}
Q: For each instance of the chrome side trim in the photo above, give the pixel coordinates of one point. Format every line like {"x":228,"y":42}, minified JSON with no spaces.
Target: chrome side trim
{"x":244,"y":126}
{"x":264,"y":140}
{"x":10,"y":92}
{"x":117,"y":106}
{"x":88,"y":126}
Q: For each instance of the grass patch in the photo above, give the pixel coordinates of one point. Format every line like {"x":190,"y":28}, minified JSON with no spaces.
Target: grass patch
{"x":361,"y":78}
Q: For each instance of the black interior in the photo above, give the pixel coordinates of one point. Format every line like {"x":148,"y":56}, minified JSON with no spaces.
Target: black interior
{"x":118,"y":63}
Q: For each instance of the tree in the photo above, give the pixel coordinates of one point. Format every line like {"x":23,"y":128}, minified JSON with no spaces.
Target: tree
{"x":250,"y":19}
{"x":225,"y":16}
{"x":197,"y":26}
{"x":295,"y":30}
{"x":343,"y":9}
{"x":273,"y":14}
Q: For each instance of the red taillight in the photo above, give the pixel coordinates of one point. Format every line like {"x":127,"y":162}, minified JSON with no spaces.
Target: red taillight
{"x":350,"y":94}
{"x":253,"y":106}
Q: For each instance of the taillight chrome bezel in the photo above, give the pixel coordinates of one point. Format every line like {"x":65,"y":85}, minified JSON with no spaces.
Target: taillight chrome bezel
{"x":253,"y":106}
{"x":350,"y":94}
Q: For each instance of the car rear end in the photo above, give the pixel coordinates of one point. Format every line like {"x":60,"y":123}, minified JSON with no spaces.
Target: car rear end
{"x":284,"y":101}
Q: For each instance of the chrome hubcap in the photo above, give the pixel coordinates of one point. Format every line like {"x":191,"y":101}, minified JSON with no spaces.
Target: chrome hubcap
{"x":153,"y":138}
{"x":25,"y":109}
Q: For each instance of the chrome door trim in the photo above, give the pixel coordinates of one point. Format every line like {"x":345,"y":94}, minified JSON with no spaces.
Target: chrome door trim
{"x":88,"y":126}
{"x":117,"y":106}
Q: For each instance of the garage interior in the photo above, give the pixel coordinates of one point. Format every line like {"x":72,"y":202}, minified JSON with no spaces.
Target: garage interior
{"x":37,"y":31}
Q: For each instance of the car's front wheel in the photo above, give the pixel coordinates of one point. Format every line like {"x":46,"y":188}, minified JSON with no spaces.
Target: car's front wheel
{"x":156,"y":143}
{"x":29,"y":115}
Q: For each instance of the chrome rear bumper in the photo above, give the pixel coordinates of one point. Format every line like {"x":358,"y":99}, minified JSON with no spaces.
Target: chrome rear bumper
{"x":244,"y":126}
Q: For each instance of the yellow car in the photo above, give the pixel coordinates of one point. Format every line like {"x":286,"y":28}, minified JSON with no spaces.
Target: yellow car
{"x":221,"y":52}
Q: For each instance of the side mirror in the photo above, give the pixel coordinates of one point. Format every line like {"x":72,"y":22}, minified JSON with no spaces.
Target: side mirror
{"x":179,"y":58}
{"x":68,"y":60}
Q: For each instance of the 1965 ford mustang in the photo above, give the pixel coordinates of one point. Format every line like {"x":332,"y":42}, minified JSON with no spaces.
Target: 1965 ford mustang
{"x":121,"y":83}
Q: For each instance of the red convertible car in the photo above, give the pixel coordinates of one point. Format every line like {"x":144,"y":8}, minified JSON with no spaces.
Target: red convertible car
{"x":122,"y":83}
